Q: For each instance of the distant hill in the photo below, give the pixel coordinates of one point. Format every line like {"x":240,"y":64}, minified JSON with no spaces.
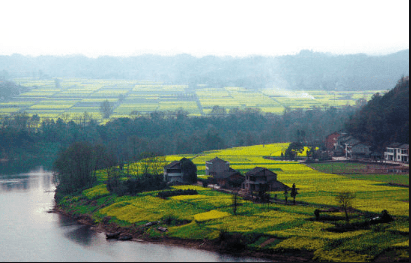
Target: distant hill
{"x":384,"y":119}
{"x":305,"y":71}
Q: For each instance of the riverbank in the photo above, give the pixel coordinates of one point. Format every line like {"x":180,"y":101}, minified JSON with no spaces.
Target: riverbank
{"x":278,"y":232}
{"x":139,"y":235}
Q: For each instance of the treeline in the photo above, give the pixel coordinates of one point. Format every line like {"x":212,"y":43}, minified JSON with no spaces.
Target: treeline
{"x":385,"y":119}
{"x":9,"y":89}
{"x":170,"y":133}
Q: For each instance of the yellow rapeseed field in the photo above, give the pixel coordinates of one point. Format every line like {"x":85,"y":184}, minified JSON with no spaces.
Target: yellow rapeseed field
{"x":210,"y":212}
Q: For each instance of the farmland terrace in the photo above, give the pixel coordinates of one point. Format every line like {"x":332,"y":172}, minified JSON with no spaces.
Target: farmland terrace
{"x":71,"y":97}
{"x":207,"y":219}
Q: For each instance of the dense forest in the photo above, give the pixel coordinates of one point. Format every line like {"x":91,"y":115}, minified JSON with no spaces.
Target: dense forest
{"x":385,"y":119}
{"x":304,"y":71}
{"x":162,"y":133}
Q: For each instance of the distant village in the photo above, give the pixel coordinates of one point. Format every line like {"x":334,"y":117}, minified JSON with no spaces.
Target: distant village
{"x":339,"y":144}
{"x":339,"y":147}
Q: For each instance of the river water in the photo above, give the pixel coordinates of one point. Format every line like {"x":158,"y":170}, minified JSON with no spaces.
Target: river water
{"x":29,"y":232}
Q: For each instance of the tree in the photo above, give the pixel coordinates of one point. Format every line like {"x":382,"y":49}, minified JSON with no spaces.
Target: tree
{"x":35,"y":120}
{"x":105,"y":159}
{"x":189,"y":170}
{"x":345,"y":200}
{"x":263,"y":195}
{"x":293,"y":193}
{"x":73,"y":168}
{"x":293,"y":149}
{"x":235,"y":202}
{"x":218,"y":111}
{"x":285,"y":194}
{"x":106,"y":109}
{"x":151,"y":163}
{"x":313,"y":152}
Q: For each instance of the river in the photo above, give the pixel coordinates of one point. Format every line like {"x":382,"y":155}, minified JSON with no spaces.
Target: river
{"x":30,"y":232}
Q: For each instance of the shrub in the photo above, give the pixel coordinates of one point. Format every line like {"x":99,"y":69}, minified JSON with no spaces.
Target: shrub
{"x":231,"y":242}
{"x":165,"y":194}
{"x":317,"y":214}
{"x":134,"y":186}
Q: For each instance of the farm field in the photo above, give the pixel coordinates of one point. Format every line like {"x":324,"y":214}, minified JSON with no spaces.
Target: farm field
{"x":354,"y":170}
{"x":290,"y":227}
{"x":72,"y":97}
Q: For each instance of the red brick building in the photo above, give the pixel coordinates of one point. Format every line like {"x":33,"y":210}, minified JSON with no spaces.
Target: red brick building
{"x":331,"y":140}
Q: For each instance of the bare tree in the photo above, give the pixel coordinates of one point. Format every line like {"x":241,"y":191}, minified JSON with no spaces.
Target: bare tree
{"x":345,"y":200}
{"x":285,"y":194}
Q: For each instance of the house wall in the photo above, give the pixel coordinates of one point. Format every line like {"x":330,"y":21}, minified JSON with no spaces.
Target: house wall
{"x":175,"y":177}
{"x":252,"y":182}
{"x":360,"y":150}
{"x":171,"y":175}
{"x":331,"y":140}
{"x":217,"y":168}
{"x":403,"y":155}
{"x":389,"y":154}
{"x":396,"y":155}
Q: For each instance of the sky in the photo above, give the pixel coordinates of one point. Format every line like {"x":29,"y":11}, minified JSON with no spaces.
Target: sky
{"x":200,"y":28}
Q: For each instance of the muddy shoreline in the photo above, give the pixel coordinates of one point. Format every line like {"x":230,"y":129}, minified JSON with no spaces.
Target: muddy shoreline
{"x":139,"y":236}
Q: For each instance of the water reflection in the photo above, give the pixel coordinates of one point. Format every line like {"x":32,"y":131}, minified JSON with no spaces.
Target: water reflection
{"x":29,"y":233}
{"x":82,"y":235}
{"x":25,"y":181}
{"x":19,"y":167}
{"x":14,"y":184}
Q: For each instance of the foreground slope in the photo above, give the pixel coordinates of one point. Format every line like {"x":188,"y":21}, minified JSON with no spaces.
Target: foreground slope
{"x":279,"y":228}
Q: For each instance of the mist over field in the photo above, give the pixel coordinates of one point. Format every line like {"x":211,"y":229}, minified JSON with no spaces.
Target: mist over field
{"x":305,"y":71}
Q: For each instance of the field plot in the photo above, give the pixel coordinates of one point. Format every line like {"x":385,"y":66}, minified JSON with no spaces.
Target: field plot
{"x":50,"y":98}
{"x":316,"y":187}
{"x":208,"y":214}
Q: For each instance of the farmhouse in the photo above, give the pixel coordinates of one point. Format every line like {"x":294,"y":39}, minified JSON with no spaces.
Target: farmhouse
{"x":217,"y":166}
{"x":222,"y":172}
{"x":259,"y":176}
{"x":348,"y":146}
{"x":173,"y":172}
{"x":360,"y":150}
{"x":397,"y":152}
{"x":331,"y":140}
{"x":224,"y":179}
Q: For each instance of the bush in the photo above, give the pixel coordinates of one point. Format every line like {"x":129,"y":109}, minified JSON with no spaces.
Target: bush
{"x":165,"y":194}
{"x":133,"y":186}
{"x":317,"y":214}
{"x":231,"y":242}
{"x":386,"y":217}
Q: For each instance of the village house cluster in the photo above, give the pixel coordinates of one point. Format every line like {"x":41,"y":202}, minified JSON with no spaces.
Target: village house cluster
{"x":223,"y":174}
{"x":338,"y":144}
{"x":344,"y":145}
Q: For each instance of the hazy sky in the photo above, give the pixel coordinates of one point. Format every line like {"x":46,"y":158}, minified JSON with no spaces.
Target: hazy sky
{"x":222,"y":27}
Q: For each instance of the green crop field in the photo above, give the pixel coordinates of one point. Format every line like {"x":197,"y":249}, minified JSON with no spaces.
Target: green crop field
{"x":292,"y":227}
{"x":75,"y":96}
